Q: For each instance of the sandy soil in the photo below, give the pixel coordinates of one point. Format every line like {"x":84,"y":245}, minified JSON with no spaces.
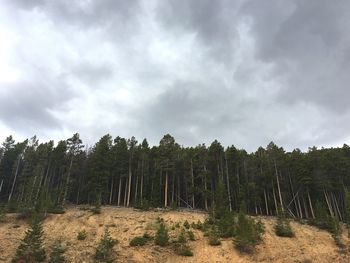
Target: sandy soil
{"x":309,"y":245}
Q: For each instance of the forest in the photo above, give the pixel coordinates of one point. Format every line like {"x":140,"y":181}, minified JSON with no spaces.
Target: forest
{"x":125,"y":172}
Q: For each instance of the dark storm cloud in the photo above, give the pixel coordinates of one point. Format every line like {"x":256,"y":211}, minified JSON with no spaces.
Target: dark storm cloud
{"x":83,"y":13}
{"x":242,"y":72}
{"x":213,"y":23}
{"x":28,"y":106}
{"x":308,"y":44}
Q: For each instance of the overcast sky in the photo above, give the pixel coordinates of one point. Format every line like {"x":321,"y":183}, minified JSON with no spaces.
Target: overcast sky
{"x":243,"y":72}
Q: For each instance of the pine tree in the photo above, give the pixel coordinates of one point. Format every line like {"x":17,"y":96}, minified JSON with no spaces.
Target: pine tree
{"x":31,"y":247}
{"x":104,"y":251}
{"x":282,"y":226}
{"x":248,"y":232}
{"x":161,"y":238}
{"x":57,"y":252}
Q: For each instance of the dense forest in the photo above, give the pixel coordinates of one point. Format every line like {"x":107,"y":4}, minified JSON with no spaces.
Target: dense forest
{"x":125,"y":172}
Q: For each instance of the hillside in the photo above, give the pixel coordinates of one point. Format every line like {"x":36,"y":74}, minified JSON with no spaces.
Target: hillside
{"x":309,"y":245}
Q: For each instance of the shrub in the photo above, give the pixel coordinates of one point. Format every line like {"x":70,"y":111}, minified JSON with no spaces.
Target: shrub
{"x":104,"y":251}
{"x":82,"y":235}
{"x":2,"y":214}
{"x":146,"y":236}
{"x":226,"y":225}
{"x":248,"y":233}
{"x":96,"y":210}
{"x":191,"y":235}
{"x":57,"y":252}
{"x":31,"y":247}
{"x":144,"y":205}
{"x":282,"y":226}
{"x":181,"y":247}
{"x":213,"y":238}
{"x":173,"y":206}
{"x":162,"y":237}
{"x":138,"y":241}
{"x":186,"y":225}
{"x":198,"y":225}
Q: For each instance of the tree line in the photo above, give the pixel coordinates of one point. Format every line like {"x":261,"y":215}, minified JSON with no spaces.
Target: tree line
{"x":124,"y":172}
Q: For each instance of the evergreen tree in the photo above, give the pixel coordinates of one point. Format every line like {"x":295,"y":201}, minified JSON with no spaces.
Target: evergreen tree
{"x":57,"y":252}
{"x":104,"y":251}
{"x":248,"y":232}
{"x":162,"y":237}
{"x":31,"y":247}
{"x":282,"y":226}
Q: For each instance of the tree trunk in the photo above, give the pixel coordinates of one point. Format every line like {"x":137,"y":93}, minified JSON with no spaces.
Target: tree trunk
{"x":228,"y":184}
{"x":129,"y":184}
{"x":136,"y":188}
{"x":126,"y":191}
{"x":266,"y":204}
{"x":310,"y":203}
{"x":119,"y":189}
{"x":305,"y":208}
{"x":274,"y":199}
{"x":2,"y":181}
{"x":166,"y":189}
{"x":328,"y":204}
{"x":278,"y":187}
{"x":291,"y":187}
{"x":111,"y":192}
{"x":192,"y":179}
{"x":141,"y":186}
{"x":300,"y":211}
{"x":14,"y":180}
{"x":205,"y":189}
{"x":67,"y":182}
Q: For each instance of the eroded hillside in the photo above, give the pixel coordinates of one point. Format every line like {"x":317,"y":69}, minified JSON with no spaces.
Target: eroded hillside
{"x":309,"y":244}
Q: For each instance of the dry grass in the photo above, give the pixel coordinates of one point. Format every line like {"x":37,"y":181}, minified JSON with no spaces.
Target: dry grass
{"x":309,"y":244}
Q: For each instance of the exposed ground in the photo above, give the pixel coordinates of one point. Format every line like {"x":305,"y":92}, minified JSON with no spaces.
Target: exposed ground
{"x":309,"y":244}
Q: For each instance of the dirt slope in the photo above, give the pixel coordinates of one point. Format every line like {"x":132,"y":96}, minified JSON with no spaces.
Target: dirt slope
{"x":309,"y":245}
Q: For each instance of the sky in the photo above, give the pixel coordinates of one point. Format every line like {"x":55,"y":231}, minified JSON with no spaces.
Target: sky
{"x":239,"y":71}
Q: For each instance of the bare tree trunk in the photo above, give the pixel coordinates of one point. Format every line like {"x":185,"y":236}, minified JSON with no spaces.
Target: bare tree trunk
{"x":291,"y":186}
{"x":300,"y":211}
{"x":14,"y":180}
{"x":336,"y":206}
{"x":228,"y":184}
{"x":111,"y":192}
{"x":266,"y":205}
{"x":126,"y":191}
{"x":305,"y":208}
{"x":141,"y":187}
{"x":274,"y":199}
{"x":136,"y":188}
{"x":67,"y":182}
{"x":278,"y":187}
{"x":129,"y":184}
{"x":328,"y":204}
{"x":166,"y":189}
{"x":2,"y":181}
{"x":310,"y":203}
{"x":173,"y":189}
{"x":119,"y":189}
{"x":205,"y":189}
{"x":192,"y":179}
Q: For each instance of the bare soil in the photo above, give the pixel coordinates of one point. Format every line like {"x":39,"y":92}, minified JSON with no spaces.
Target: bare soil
{"x":308,"y":245}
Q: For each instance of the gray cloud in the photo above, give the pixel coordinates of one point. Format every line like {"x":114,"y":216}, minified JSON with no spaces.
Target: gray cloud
{"x":214,"y":24}
{"x":307,"y":43}
{"x":242,"y":72}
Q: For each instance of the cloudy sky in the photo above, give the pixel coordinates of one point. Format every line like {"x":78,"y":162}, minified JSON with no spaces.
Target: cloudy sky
{"x":242,"y":72}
